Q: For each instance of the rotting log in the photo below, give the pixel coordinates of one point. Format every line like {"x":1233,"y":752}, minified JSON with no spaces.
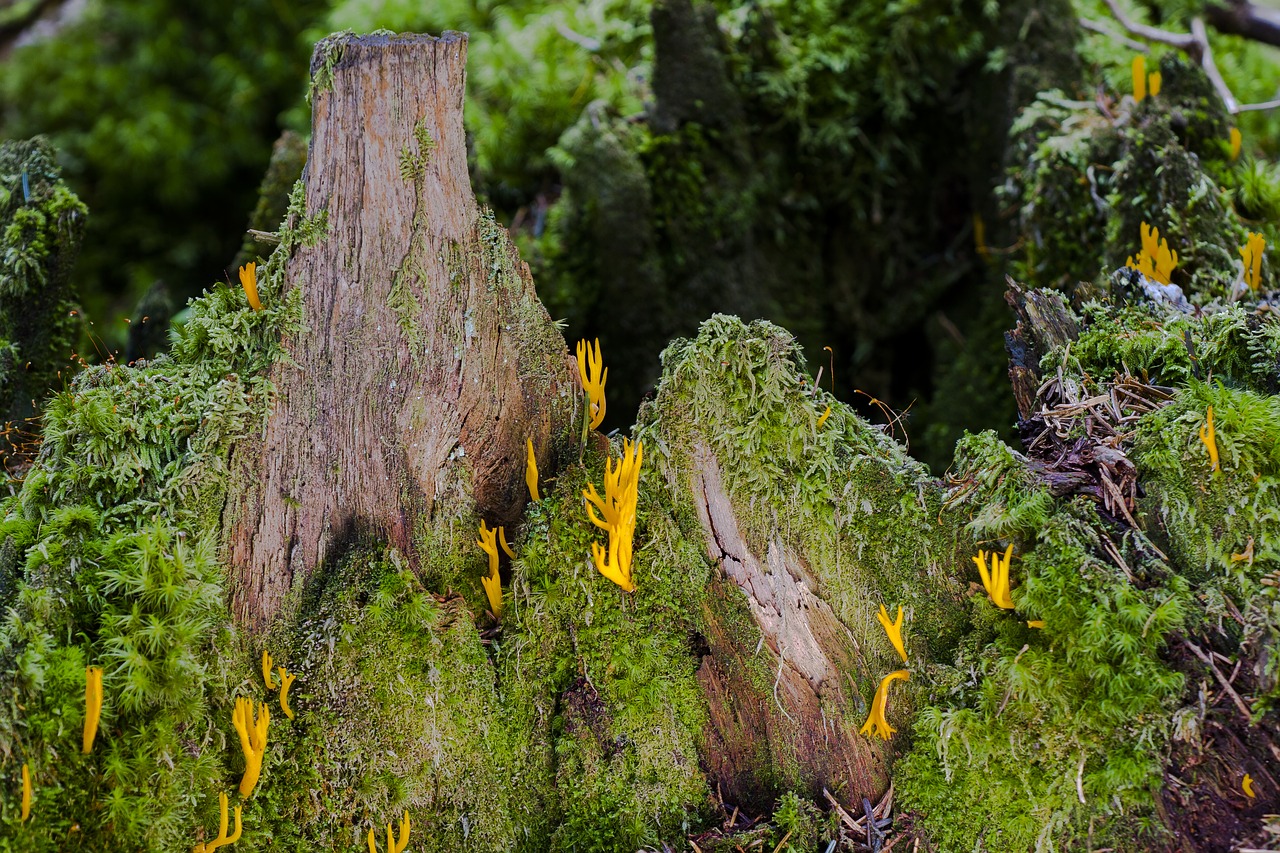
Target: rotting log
{"x":418,"y":370}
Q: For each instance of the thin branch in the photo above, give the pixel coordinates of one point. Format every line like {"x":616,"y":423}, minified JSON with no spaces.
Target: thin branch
{"x":1178,"y":40}
{"x":1094,"y":26}
{"x":1222,"y":679}
{"x":1211,"y":68}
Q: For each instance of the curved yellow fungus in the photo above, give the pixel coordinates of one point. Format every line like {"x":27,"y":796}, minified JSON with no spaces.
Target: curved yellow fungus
{"x":249,"y":281}
{"x":92,"y":705}
{"x":502,"y":540}
{"x":822,"y":420}
{"x":393,"y":845}
{"x":223,"y":839}
{"x":996,"y":581}
{"x":286,"y":679}
{"x":1235,"y":139}
{"x":266,"y":671}
{"x":617,"y":514}
{"x":1251,"y":253}
{"x":1156,"y":260}
{"x":531,"y":472}
{"x":492,"y":582}
{"x":894,"y":630}
{"x":876,"y":722}
{"x":1246,"y":784}
{"x":26,"y":792}
{"x":1035,"y":623}
{"x":1139,"y":70}
{"x":1210,"y":440}
{"x":593,"y":373}
{"x":253,"y":740}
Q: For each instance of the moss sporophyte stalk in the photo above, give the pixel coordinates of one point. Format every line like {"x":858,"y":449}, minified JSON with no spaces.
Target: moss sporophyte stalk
{"x":253,"y":740}
{"x":617,"y":513}
{"x":894,"y":630}
{"x":249,"y":281}
{"x":593,"y":373}
{"x":876,"y":723}
{"x":223,"y":839}
{"x":92,"y":705}
{"x":394,"y":845}
{"x":1156,"y":260}
{"x":492,"y":582}
{"x":996,"y":580}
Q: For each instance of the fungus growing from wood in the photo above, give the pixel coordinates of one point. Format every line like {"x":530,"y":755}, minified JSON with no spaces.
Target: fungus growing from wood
{"x":894,"y":630}
{"x":531,"y":471}
{"x":617,"y":514}
{"x":876,"y":723}
{"x":492,"y":582}
{"x":249,"y":281}
{"x":996,"y":581}
{"x":593,"y":373}
{"x":253,"y":740}
{"x":1156,"y":260}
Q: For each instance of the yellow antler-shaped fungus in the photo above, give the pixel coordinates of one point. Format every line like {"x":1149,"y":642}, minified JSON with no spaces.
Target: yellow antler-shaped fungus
{"x":894,"y":630}
{"x":223,"y":839}
{"x":593,"y":373}
{"x":996,"y":581}
{"x":249,"y":281}
{"x":492,"y":582}
{"x":1156,"y":260}
{"x":26,"y":792}
{"x":1251,"y":253}
{"x":286,"y":680}
{"x":253,"y":740}
{"x":393,"y":846}
{"x":266,"y":671}
{"x":531,"y":472}
{"x":617,"y":513}
{"x":876,"y":722}
{"x":92,"y":705}
{"x":1210,"y":440}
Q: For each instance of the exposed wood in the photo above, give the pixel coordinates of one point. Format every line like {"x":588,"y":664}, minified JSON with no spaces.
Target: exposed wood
{"x":1044,"y":322}
{"x":424,"y":359}
{"x":1240,"y":18}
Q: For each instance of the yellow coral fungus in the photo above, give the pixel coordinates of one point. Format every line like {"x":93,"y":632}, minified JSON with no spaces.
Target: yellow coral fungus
{"x":1251,"y":253}
{"x":393,"y":845}
{"x":92,"y":705}
{"x":531,"y":472}
{"x":894,"y":630}
{"x":1035,"y":623}
{"x":1153,"y":83}
{"x":223,"y":839}
{"x":617,"y":514}
{"x":26,"y":792}
{"x":876,"y":722}
{"x":492,"y":582}
{"x":286,"y":679}
{"x":996,"y":581}
{"x":1210,"y":440}
{"x":1235,"y":140}
{"x":249,"y":281}
{"x":1246,"y":785}
{"x":253,"y":740}
{"x":266,"y":671}
{"x":1156,"y":260}
{"x":822,"y":420}
{"x":593,"y":373}
{"x":1139,"y":69}
{"x":502,"y":540}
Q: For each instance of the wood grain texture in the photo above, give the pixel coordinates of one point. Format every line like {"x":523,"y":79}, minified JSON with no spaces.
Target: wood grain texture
{"x":424,"y":358}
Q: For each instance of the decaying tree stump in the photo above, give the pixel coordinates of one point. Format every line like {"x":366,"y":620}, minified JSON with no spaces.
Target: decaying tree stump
{"x":424,"y":359}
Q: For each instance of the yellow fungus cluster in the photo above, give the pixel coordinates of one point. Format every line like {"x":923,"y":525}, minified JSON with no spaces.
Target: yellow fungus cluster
{"x":593,"y":373}
{"x":1144,"y":83}
{"x":489,"y":540}
{"x":1210,"y":440}
{"x":253,"y":740}
{"x":894,"y":630}
{"x":92,"y":705}
{"x":223,"y":839}
{"x":1156,"y":260}
{"x":996,"y":580}
{"x":1251,"y":253}
{"x":617,"y":513}
{"x":249,"y":281}
{"x":876,"y":722}
{"x":286,"y":679}
{"x":393,"y":845}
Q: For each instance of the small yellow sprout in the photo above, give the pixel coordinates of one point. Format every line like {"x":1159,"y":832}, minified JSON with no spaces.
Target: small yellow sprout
{"x":223,"y":839}
{"x":92,"y":705}
{"x":26,"y":792}
{"x":1035,"y":623}
{"x":593,"y":374}
{"x":1210,"y":440}
{"x":1246,"y":784}
{"x":253,"y":740}
{"x":876,"y":722}
{"x":492,"y":583}
{"x":1251,"y":253}
{"x":249,"y":281}
{"x":531,"y":472}
{"x":286,"y":679}
{"x":894,"y":630}
{"x":1156,"y":260}
{"x":1236,"y":139}
{"x":266,"y":671}
{"x":996,"y":581}
{"x":502,"y":540}
{"x":393,"y":846}
{"x":822,"y":420}
{"x":617,"y":514}
{"x":1153,"y":83}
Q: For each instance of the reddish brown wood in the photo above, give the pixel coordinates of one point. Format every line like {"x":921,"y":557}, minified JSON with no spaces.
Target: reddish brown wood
{"x":424,"y":359}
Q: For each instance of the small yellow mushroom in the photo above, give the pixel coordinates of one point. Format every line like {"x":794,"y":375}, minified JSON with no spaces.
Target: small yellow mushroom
{"x":822,"y":420}
{"x":1035,"y":623}
{"x":492,"y":583}
{"x":996,"y":581}
{"x":26,"y":792}
{"x":266,"y":671}
{"x":894,"y":630}
{"x":1236,"y":139}
{"x":249,"y":281}
{"x":1153,"y":83}
{"x":92,"y":705}
{"x":876,"y":722}
{"x":531,"y":471}
{"x":223,"y":839}
{"x":393,"y":846}
{"x":1139,"y":70}
{"x":253,"y":740}
{"x":1251,"y":253}
{"x":286,"y":679}
{"x":1210,"y":440}
{"x":593,"y":373}
{"x":1246,"y":784}
{"x":1156,"y":260}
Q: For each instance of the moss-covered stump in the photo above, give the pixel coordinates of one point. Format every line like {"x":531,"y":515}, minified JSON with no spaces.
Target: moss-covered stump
{"x":41,"y":225}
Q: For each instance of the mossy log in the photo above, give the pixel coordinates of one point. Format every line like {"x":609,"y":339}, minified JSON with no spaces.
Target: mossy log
{"x":414,"y":378}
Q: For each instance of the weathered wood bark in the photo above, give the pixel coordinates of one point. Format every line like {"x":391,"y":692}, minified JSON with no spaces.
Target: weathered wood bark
{"x":424,"y":358}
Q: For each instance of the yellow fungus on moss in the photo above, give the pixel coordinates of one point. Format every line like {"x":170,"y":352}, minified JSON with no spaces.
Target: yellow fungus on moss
{"x":1246,"y":785}
{"x":492,"y":582}
{"x":1139,"y":70}
{"x":92,"y":705}
{"x":894,"y":630}
{"x":286,"y":679}
{"x":253,"y":740}
{"x":249,"y":281}
{"x":593,"y":373}
{"x":1153,"y":83}
{"x":876,"y":723}
{"x":223,"y":839}
{"x":1210,"y":440}
{"x":822,"y":420}
{"x":531,"y":472}
{"x":996,"y":580}
{"x":1251,"y":253}
{"x":1156,"y":260}
{"x":617,"y":514}
{"x":393,"y":845}
{"x":26,"y":792}
{"x":1035,"y":623}
{"x":1235,"y":140}
{"x":266,"y":671}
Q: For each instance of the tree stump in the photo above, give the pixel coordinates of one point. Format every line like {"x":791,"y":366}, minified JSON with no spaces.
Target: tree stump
{"x":424,"y":359}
